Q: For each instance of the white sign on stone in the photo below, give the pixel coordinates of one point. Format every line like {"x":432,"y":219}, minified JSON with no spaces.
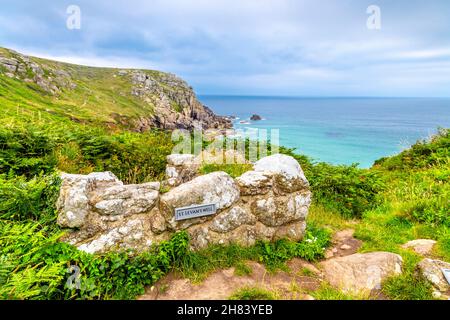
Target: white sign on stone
{"x":446,"y":273}
{"x":195,"y":211}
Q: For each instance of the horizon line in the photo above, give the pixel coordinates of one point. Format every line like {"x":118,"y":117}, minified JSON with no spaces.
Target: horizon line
{"x":318,"y":97}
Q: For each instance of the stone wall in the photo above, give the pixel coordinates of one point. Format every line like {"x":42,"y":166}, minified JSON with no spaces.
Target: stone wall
{"x":268,"y":203}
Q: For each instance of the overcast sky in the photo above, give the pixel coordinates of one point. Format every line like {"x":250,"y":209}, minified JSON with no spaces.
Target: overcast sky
{"x":249,"y":47}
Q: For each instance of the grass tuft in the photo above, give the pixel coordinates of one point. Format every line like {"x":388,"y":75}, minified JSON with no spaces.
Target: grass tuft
{"x":253,"y":293}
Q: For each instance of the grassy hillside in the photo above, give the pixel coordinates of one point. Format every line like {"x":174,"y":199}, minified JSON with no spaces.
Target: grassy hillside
{"x":99,"y":93}
{"x":115,"y":98}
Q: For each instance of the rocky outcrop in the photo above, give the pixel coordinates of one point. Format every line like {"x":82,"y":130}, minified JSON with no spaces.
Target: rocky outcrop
{"x":255,"y":117}
{"x":174,"y":102}
{"x":48,"y":78}
{"x":361,"y":273}
{"x":104,"y":214}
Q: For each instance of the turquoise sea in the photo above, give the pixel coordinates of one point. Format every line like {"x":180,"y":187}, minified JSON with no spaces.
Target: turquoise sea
{"x":340,"y":130}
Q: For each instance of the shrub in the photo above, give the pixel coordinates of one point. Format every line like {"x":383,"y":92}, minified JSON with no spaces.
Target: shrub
{"x":434,"y":211}
{"x":423,"y":154}
{"x":26,"y":151}
{"x":34,"y":199}
{"x":36,"y":149}
{"x":347,"y":189}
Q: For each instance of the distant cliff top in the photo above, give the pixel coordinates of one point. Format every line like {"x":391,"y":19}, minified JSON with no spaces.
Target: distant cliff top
{"x":130,"y":98}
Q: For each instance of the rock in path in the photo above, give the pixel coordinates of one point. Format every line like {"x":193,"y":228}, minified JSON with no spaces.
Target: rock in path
{"x":421,"y":246}
{"x":432,"y":271}
{"x":361,"y":273}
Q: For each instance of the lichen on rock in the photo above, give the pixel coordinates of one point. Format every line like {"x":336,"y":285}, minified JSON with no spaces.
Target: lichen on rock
{"x":432,"y":271}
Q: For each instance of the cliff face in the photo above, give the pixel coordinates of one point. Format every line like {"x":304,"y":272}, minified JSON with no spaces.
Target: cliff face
{"x":135,"y":99}
{"x":174,"y":101}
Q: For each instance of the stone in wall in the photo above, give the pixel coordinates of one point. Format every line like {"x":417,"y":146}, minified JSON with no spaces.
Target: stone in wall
{"x":286,"y":171}
{"x":254,"y":182}
{"x":181,"y":168}
{"x":231,"y":219}
{"x":73,"y":201}
{"x":268,"y":203}
{"x":217,"y":187}
{"x":276,"y":211}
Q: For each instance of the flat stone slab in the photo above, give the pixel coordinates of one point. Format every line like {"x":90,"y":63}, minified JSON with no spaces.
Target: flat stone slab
{"x":420,"y":246}
{"x":361,"y":272}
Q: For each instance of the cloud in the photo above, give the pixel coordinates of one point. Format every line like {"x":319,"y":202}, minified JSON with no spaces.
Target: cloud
{"x":424,"y":54}
{"x":276,"y":47}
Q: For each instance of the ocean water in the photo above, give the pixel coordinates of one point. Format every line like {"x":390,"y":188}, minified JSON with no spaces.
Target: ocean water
{"x":340,"y":130}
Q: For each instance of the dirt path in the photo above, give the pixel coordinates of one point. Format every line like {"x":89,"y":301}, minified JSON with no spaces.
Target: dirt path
{"x":343,"y":244}
{"x":221,"y":284}
{"x":294,"y":284}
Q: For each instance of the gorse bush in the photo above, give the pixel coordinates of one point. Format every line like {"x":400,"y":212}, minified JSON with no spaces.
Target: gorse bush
{"x":347,"y":189}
